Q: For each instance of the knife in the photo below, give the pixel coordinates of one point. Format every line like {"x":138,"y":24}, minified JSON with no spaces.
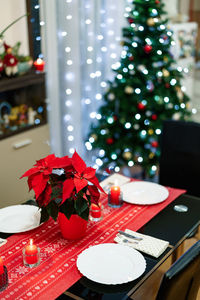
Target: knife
{"x":130,"y":236}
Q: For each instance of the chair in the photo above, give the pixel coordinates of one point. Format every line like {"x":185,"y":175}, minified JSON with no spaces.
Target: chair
{"x":180,"y":156}
{"x":182,"y":280}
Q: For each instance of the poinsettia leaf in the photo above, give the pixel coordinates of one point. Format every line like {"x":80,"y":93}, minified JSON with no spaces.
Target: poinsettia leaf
{"x":68,"y":186}
{"x":80,"y":183}
{"x":89,"y":173}
{"x":95,"y":181}
{"x":44,"y":215}
{"x":49,"y":158}
{"x":30,"y":172}
{"x":39,"y":182}
{"x":45,"y":196}
{"x":78,"y":163}
{"x":53,"y":210}
{"x":60,"y":162}
{"x":80,"y":205}
{"x":85,"y":214}
{"x":67,"y":208}
{"x":94,"y":192}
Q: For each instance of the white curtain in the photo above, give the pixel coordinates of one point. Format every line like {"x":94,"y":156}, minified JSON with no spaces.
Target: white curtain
{"x":82,"y":42}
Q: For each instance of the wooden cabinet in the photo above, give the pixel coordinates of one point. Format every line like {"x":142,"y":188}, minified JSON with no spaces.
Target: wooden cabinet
{"x":21,"y":143}
{"x":18,"y":154}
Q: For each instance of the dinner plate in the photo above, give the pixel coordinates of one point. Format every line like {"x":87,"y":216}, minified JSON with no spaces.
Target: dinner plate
{"x":144,"y":193}
{"x":111,"y":263}
{"x":19,"y":218}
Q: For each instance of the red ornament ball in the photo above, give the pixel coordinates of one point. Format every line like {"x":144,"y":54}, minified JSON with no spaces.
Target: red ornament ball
{"x":154,"y":144}
{"x":141,"y":106}
{"x":109,"y":141}
{"x":147,"y":49}
{"x":130,"y":20}
{"x":131,"y":58}
{"x":154,"y":117}
{"x":157,"y":2}
{"x":115,"y":118}
{"x":167,"y":85}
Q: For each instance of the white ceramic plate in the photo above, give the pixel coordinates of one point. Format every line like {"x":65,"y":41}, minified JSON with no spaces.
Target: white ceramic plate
{"x":143,"y":193}
{"x":19,"y":218}
{"x":111,"y":263}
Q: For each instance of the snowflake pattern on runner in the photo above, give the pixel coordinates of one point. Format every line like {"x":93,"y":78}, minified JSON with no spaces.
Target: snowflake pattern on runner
{"x":21,"y":270}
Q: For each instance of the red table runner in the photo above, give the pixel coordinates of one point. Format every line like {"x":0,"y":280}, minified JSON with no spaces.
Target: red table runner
{"x":57,"y":270}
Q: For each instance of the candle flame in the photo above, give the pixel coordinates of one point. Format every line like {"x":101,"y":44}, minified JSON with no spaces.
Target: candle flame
{"x":116,"y":182}
{"x":31,"y":242}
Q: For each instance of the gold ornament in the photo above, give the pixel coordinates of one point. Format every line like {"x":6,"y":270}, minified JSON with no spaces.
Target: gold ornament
{"x":150,"y":22}
{"x":128,"y":90}
{"x":94,"y":136}
{"x":187,"y":105}
{"x":150,"y":131}
{"x":151,"y":155}
{"x":165,"y":73}
{"x":165,"y":58}
{"x":127,"y":155}
{"x":122,"y":43}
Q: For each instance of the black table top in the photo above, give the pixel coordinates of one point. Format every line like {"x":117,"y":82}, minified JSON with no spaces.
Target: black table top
{"x":168,"y":225}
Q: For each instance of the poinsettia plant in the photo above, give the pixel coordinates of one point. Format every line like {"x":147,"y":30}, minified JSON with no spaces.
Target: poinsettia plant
{"x":63,"y":184}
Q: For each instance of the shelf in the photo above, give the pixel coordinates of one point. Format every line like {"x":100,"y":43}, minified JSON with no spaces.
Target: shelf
{"x":32,"y":78}
{"x":20,"y":130}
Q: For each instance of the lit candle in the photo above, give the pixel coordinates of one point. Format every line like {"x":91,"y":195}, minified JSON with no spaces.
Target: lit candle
{"x":115,"y":194}
{"x":95,"y":211}
{"x":31,"y":252}
{"x":1,"y":266}
{"x":39,"y":65}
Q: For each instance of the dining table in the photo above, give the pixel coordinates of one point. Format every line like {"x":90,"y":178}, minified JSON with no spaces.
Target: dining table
{"x":57,"y":276}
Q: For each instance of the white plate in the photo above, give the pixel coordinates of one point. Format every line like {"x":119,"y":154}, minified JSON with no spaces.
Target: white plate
{"x":143,"y":193}
{"x":19,"y":218}
{"x":111,"y":263}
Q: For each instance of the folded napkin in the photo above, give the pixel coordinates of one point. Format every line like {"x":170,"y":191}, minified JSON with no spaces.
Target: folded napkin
{"x":2,"y":242}
{"x":115,"y":179}
{"x":149,"y":245}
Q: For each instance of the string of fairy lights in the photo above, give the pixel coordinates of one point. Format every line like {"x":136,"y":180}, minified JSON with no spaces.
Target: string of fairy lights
{"x":100,"y":54}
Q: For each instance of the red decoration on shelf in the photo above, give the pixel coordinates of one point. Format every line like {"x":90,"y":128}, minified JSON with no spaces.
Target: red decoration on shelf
{"x":147,"y":49}
{"x":109,"y":141}
{"x":157,"y":2}
{"x":167,"y":85}
{"x":1,"y":65}
{"x":154,"y":117}
{"x":141,"y":106}
{"x":154,"y":144}
{"x":39,"y":65}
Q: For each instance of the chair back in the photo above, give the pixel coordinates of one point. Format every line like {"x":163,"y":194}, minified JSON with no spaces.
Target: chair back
{"x":182,"y":280}
{"x":180,"y":156}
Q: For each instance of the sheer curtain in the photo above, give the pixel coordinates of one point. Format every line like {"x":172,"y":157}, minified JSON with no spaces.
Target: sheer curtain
{"x":82,"y":42}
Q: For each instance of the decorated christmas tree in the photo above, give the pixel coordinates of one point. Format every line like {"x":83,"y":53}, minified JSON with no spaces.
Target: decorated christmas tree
{"x":145,"y":91}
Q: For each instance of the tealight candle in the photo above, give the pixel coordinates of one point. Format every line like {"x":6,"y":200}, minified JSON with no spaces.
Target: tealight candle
{"x":96,"y":212}
{"x":31,"y":254}
{"x":39,"y":65}
{"x":115,"y":196}
{"x":1,"y":266}
{"x":3,"y":275}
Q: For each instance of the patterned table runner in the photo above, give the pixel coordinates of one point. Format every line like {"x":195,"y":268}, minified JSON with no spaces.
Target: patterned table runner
{"x":57,"y":270}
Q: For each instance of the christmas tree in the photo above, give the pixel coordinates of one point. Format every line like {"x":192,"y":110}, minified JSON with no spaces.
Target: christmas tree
{"x":145,"y":91}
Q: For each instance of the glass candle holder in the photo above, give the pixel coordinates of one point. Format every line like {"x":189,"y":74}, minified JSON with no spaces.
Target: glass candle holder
{"x":31,"y":260}
{"x":4,"y":279}
{"x":115,"y":199}
{"x":96,"y":212}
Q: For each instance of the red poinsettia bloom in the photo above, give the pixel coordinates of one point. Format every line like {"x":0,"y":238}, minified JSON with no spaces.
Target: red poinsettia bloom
{"x":38,"y":176}
{"x":82,"y":174}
